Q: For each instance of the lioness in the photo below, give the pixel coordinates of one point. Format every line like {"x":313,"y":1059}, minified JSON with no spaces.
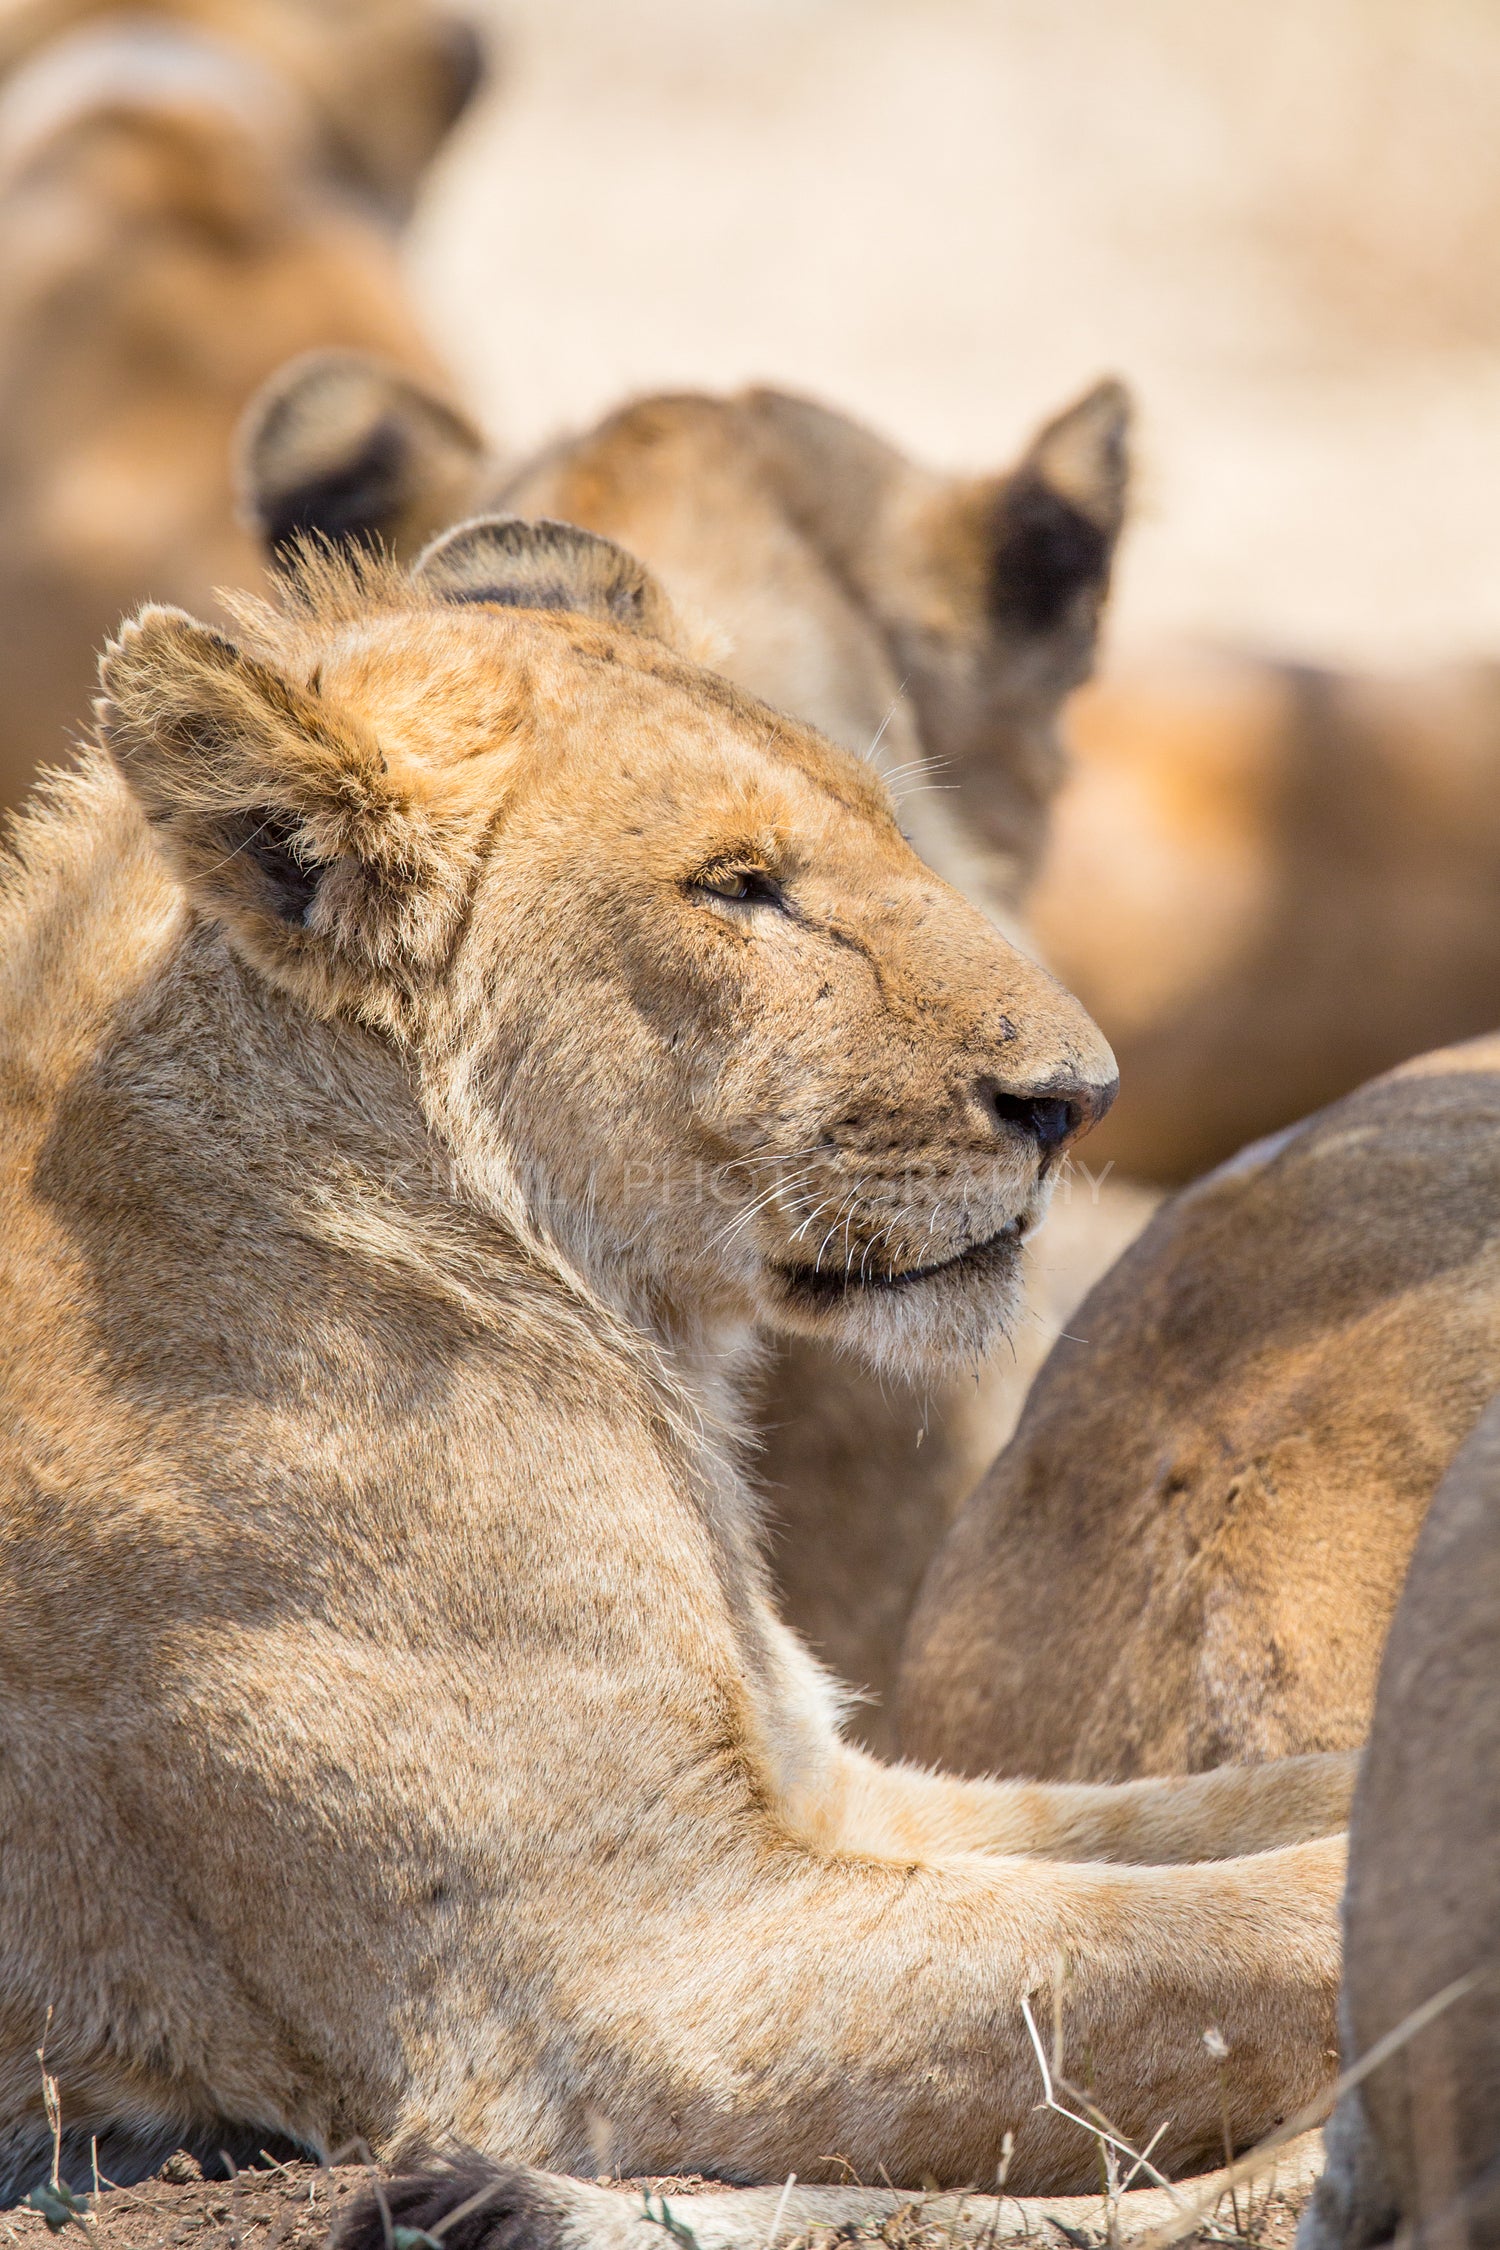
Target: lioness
{"x":934,"y":623}
{"x":1228,"y":1458}
{"x":382,"y":82}
{"x":1269,"y":882}
{"x":1413,"y":2148}
{"x":168,"y":234}
{"x":398,"y":1737}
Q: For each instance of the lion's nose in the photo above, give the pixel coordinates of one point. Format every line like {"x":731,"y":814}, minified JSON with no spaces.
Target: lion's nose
{"x":1053,"y":1115}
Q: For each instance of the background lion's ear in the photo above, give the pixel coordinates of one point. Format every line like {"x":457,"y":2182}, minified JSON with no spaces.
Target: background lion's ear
{"x":341,"y":446}
{"x":1023,"y":556}
{"x":988,"y":590}
{"x":547,"y":565}
{"x":276,"y":812}
{"x":1058,"y":514}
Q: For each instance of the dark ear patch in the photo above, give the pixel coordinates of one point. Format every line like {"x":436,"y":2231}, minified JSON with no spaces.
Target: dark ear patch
{"x":268,"y":840}
{"x":341,"y":447}
{"x":546,"y":565}
{"x":351,"y":502}
{"x":465,"y":66}
{"x":1055,"y":519}
{"x":1043,"y":552}
{"x":540,"y":596}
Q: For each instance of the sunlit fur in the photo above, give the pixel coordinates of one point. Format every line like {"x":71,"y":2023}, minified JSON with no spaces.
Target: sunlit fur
{"x":897,"y":611}
{"x":399,"y":1741}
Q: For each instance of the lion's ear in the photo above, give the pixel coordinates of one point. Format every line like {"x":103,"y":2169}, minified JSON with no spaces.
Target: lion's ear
{"x":1020,"y":560}
{"x":276,"y":812}
{"x":1057,"y":516}
{"x":546,"y":565}
{"x":341,"y":447}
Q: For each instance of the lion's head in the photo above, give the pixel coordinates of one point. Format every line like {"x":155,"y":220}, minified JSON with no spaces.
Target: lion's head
{"x":936,"y":620}
{"x":669,"y":985}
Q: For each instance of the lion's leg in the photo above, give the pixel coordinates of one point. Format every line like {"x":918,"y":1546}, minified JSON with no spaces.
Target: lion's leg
{"x":781,"y":2011}
{"x":1220,"y":1815}
{"x":512,"y":2204}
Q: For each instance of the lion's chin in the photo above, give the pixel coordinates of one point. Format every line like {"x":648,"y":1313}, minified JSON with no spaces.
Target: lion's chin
{"x":922,"y":1319}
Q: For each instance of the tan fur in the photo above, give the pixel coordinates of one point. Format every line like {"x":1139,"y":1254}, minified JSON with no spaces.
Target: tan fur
{"x":1414,"y":2145}
{"x":399,"y":1740}
{"x":1268,"y":884}
{"x":1228,"y":1459}
{"x":381,"y":82}
{"x":934,"y":623}
{"x":167,"y":237}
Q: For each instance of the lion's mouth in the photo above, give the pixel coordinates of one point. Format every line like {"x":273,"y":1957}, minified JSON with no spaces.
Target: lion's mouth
{"x":822,"y":1283}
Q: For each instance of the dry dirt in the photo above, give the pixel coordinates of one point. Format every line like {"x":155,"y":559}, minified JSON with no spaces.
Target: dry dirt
{"x":294,"y":2207}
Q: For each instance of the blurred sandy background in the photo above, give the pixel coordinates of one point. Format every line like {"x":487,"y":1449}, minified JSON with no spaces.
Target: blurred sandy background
{"x":1278,"y":218}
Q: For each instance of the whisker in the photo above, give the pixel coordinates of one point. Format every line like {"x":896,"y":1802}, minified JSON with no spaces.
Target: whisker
{"x":766,"y":1196}
{"x":885,"y":722}
{"x":847,"y":1205}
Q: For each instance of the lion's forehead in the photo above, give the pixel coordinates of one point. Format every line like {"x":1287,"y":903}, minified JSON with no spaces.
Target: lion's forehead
{"x":458,"y":689}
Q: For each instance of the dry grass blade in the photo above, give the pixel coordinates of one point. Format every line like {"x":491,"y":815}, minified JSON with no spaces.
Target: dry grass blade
{"x":1096,"y":2123}
{"x":1197,"y":2209}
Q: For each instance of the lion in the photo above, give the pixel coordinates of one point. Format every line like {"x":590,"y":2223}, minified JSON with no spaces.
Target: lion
{"x":1229,"y":821}
{"x":1229,"y":1457}
{"x":935,"y":623}
{"x":169,"y":233}
{"x":381,"y":83}
{"x":400,"y":1742}
{"x":1412,"y":2146}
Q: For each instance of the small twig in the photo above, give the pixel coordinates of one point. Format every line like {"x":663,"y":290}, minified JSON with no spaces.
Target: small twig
{"x":362,"y":2150}
{"x":1313,"y":2113}
{"x":1218,"y":2047}
{"x":791,"y":2182}
{"x":235,"y":2231}
{"x":268,"y":2163}
{"x":52,"y":2104}
{"x":1087,"y":2124}
{"x":1144,"y":2155}
{"x":123,"y":2195}
{"x":475,"y":2202}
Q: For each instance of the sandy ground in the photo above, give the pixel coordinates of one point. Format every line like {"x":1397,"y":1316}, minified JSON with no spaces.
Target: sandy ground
{"x":294,"y":2206}
{"x":1274,"y":216}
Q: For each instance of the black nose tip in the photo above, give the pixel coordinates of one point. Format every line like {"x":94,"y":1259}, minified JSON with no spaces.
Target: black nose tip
{"x":1051,"y":1120}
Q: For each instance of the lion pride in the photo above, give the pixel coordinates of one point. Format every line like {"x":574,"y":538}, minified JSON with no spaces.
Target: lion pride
{"x":934,"y":623}
{"x":399,"y":1741}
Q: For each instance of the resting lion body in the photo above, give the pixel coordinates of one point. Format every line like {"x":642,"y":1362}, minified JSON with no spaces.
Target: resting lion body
{"x":398,"y":1738}
{"x":1270,"y":882}
{"x":1230,"y":1455}
{"x":1412,"y":2146}
{"x":933,"y":623}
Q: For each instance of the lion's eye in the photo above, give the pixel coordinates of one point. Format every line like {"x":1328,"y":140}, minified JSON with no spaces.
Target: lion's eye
{"x":747,"y":886}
